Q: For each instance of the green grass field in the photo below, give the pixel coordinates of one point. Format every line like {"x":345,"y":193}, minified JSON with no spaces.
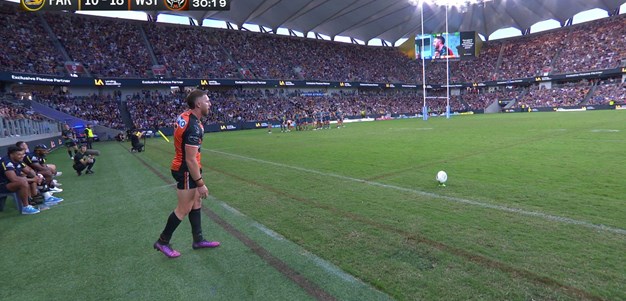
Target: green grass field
{"x":534,"y":209}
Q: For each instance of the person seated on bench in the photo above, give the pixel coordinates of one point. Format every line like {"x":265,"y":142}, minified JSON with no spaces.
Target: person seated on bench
{"x":37,"y":161}
{"x":13,"y":179}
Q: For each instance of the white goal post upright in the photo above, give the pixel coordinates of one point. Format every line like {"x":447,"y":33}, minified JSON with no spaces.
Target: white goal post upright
{"x":447,"y":68}
{"x":424,"y":108}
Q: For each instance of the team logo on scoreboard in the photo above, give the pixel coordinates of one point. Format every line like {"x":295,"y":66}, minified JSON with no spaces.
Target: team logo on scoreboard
{"x":32,"y":5}
{"x":176,"y":4}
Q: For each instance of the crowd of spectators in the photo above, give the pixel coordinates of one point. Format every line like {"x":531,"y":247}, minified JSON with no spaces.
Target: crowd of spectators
{"x":607,"y":91}
{"x":25,"y":45}
{"x":476,"y":99}
{"x":466,"y":71}
{"x":99,"y":109}
{"x":279,"y":57}
{"x":15,"y":111}
{"x":198,"y":52}
{"x":528,"y":56}
{"x":103,"y":51}
{"x":189,"y":52}
{"x":154,"y":109}
{"x":569,"y":94}
{"x":593,"y":46}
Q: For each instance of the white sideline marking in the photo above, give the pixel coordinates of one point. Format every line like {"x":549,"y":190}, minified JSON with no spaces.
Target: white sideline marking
{"x":605,"y":131}
{"x":545,"y":216}
{"x":231,"y":209}
{"x":267,"y":231}
{"x":411,"y":129}
{"x":329,"y":267}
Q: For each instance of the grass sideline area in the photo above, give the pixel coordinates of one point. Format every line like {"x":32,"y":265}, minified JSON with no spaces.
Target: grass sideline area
{"x":533,"y":210}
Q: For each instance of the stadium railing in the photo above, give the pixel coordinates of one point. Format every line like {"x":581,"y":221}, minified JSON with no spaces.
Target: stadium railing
{"x":25,"y":127}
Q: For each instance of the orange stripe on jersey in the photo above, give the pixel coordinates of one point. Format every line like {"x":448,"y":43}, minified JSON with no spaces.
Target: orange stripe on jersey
{"x":186,"y":126}
{"x":182,"y":123}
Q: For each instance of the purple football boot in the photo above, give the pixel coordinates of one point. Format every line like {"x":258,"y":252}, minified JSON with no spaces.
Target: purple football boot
{"x":166,"y":250}
{"x":205,"y":244}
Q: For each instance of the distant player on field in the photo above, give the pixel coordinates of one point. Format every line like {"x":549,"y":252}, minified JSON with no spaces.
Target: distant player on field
{"x":69,"y":139}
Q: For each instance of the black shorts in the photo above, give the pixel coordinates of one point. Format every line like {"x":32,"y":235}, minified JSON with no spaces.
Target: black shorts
{"x":184,"y":180}
{"x":70,"y":143}
{"x":4,"y":189}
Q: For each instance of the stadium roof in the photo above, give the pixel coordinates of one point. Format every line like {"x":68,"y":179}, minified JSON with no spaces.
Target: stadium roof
{"x":391,"y":20}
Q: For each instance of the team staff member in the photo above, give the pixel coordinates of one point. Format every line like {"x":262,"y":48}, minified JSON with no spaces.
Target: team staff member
{"x":89,"y":136}
{"x":82,"y":161}
{"x":187,"y":171}
{"x":69,"y":139}
{"x":134,"y":141}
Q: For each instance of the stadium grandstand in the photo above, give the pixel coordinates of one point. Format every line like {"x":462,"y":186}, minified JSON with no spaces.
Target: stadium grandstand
{"x":270,"y":64}
{"x":538,"y":65}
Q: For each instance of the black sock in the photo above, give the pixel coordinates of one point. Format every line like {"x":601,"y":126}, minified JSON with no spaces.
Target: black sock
{"x":196,"y":224}
{"x":75,"y":152}
{"x":69,"y":152}
{"x":170,"y":227}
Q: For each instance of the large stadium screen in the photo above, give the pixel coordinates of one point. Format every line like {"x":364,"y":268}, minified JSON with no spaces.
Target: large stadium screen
{"x":441,"y":45}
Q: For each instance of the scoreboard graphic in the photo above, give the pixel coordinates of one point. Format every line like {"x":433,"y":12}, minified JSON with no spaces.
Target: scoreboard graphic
{"x":128,"y":5}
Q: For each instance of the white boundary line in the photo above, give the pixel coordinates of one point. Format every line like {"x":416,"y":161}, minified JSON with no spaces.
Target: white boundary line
{"x":326,"y":265}
{"x":545,"y":216}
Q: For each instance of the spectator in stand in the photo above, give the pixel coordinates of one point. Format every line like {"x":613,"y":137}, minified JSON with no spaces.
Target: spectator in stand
{"x":20,"y":31}
{"x":202,"y":58}
{"x":570,"y":94}
{"x":593,"y":45}
{"x":611,"y":90}
{"x":221,"y":53}
{"x":99,"y":109}
{"x":105,"y":53}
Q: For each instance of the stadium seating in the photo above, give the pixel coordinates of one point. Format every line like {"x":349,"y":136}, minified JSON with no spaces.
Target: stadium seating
{"x":609,"y":91}
{"x":21,"y":32}
{"x":188,"y":52}
{"x":198,"y":52}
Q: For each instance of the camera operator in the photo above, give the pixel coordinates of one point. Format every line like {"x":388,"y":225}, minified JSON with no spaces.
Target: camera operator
{"x":82,"y":161}
{"x":137,"y":146}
